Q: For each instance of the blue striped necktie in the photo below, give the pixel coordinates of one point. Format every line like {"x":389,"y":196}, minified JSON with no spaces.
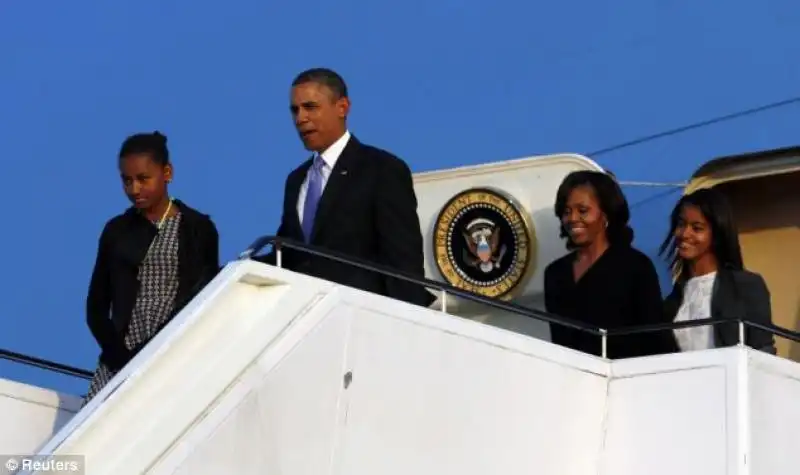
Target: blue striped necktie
{"x":313,"y":194}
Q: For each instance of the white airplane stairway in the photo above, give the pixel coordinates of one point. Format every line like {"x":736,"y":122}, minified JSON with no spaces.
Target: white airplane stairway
{"x":272,"y":372}
{"x":31,"y":415}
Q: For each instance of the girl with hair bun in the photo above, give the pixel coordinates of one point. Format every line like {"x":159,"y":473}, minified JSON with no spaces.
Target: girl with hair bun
{"x":151,"y":260}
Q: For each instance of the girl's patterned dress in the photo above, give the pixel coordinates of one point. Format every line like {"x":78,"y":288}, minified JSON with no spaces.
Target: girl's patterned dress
{"x":158,"y":286}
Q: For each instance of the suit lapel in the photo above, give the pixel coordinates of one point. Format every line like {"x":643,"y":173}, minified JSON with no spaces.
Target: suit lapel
{"x":296,"y":181}
{"x":337,"y":182}
{"x":724,"y":298}
{"x":724,"y":304}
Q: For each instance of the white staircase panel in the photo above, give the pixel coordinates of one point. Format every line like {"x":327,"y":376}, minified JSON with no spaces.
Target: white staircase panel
{"x":31,"y":416}
{"x":251,"y":378}
{"x":283,"y":418}
{"x":435,"y":394}
{"x":185,"y":369}
{"x":774,"y":412}
{"x":673,"y":414}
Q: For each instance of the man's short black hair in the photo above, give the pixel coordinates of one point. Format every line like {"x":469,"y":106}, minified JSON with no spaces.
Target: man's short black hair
{"x":324,"y":77}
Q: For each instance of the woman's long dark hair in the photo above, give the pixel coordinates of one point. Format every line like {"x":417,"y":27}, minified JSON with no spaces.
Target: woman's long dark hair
{"x":610,"y":198}
{"x":724,"y":234}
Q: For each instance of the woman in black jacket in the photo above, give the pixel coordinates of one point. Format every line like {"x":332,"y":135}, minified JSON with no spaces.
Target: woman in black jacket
{"x":710,"y":278}
{"x":604,"y":281}
{"x":151,"y":260}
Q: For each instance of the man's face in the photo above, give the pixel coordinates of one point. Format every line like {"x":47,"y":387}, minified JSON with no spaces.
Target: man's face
{"x":318,"y":116}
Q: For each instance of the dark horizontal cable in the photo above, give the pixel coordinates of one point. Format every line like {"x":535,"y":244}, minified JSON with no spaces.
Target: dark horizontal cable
{"x":45,"y":364}
{"x":655,"y":197}
{"x":696,"y":125}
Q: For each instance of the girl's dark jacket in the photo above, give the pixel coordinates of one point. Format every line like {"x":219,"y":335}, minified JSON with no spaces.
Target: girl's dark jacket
{"x":114,"y":283}
{"x":737,"y":294}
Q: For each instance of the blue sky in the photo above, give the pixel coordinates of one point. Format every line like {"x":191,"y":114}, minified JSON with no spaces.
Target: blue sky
{"x":441,"y":84}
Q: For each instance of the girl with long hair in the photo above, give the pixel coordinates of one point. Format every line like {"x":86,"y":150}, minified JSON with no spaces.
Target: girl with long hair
{"x":703,"y":250}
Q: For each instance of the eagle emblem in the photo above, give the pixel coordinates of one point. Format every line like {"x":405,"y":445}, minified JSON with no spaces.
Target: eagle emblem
{"x":483,"y":249}
{"x":483,"y":242}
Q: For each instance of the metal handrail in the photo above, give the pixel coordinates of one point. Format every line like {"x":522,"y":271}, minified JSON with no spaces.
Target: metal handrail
{"x":654,"y":327}
{"x":279,"y":243}
{"x":45,"y":364}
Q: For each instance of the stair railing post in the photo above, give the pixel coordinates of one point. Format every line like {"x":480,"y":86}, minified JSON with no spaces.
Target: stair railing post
{"x":741,"y":332}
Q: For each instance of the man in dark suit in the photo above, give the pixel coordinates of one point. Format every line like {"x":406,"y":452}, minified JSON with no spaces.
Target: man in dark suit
{"x":348,"y":197}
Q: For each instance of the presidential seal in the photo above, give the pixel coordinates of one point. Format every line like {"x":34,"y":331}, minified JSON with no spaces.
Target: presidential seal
{"x":483,"y":242}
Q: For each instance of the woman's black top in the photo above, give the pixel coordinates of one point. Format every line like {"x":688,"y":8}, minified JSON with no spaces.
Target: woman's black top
{"x":620,"y":289}
{"x":114,"y":283}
